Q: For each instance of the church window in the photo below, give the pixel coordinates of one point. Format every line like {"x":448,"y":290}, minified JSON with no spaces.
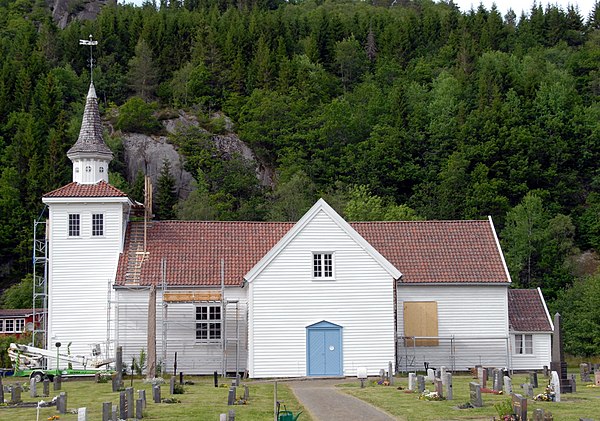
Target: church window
{"x":323,"y":265}
{"x":524,"y":344}
{"x":74,"y":224}
{"x":208,"y":323}
{"x":97,"y":224}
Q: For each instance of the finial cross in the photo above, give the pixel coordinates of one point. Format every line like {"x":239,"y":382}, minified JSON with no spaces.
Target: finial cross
{"x":91,"y":43}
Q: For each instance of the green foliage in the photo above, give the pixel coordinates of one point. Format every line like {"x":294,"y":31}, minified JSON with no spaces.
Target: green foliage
{"x":579,"y":307}
{"x":504,"y":408}
{"x":19,"y":295}
{"x":166,"y":193}
{"x":139,"y":364}
{"x":364,"y":206}
{"x":136,"y":115}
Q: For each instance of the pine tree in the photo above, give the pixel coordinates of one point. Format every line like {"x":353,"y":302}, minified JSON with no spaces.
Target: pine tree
{"x":143,"y":75}
{"x":166,"y":193}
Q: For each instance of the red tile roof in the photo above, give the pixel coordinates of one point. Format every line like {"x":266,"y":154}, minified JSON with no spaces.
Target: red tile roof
{"x":15,"y":312}
{"x":101,"y":189}
{"x":425,"y":252}
{"x":526,"y":311}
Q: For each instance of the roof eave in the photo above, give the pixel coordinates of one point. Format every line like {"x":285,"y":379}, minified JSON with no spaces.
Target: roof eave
{"x":499,"y":249}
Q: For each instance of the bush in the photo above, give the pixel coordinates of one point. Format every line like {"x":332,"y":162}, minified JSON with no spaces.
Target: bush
{"x":136,"y":115}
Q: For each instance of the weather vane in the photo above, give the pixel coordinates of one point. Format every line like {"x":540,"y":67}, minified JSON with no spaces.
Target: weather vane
{"x":91,"y":43}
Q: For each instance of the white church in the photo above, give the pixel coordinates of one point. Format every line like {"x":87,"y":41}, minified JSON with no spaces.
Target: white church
{"x":319,"y":297}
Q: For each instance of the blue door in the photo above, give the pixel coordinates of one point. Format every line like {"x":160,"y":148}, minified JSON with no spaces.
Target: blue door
{"x":324,"y":349}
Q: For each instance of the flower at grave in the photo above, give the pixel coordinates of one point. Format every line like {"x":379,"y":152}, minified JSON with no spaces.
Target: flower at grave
{"x":548,"y":396}
{"x":430,"y":396}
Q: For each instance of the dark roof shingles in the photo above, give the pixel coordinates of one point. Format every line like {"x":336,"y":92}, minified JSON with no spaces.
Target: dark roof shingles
{"x":526,"y":311}
{"x":425,"y":252}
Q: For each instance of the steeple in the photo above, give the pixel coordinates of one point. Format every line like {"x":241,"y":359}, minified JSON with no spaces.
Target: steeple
{"x":90,"y":155}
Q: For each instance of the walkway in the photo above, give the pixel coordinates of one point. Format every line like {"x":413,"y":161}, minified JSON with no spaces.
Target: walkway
{"x":325,"y":403}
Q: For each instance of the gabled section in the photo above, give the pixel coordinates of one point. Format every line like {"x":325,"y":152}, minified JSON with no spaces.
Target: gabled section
{"x":324,"y":324}
{"x":527,"y":311}
{"x":101,"y":189}
{"x":321,"y":206}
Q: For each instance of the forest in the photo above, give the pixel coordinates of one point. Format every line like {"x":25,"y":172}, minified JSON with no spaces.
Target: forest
{"x":414,"y":110}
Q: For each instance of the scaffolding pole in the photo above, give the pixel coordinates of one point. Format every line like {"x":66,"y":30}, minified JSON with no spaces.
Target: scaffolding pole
{"x":40,"y":283}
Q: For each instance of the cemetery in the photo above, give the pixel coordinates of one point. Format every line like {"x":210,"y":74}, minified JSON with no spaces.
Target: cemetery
{"x":481,"y":394}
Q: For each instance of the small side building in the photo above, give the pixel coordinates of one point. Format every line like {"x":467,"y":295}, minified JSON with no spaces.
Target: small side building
{"x":531,"y":329}
{"x":15,"y":322}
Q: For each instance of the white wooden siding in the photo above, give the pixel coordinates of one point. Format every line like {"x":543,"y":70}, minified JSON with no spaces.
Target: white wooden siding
{"x":542,"y":354}
{"x":81,"y":270}
{"x":193,"y":357}
{"x":284,"y":300}
{"x":472,"y":326}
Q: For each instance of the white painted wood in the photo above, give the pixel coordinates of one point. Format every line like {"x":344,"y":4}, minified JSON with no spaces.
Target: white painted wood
{"x":474,"y":316}
{"x":79,"y":274}
{"x":542,"y":352}
{"x":284,"y":299}
{"x":193,"y":357}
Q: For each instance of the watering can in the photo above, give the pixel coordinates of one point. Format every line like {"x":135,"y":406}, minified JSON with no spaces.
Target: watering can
{"x":288,"y":416}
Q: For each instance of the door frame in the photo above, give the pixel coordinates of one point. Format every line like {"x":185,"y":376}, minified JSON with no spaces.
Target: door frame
{"x":324,"y":325}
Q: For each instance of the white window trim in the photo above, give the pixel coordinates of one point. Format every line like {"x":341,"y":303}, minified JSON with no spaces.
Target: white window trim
{"x":103,"y":225}
{"x":312,"y":266}
{"x":69,"y":225}
{"x":208,"y":340}
{"x":523,"y":354}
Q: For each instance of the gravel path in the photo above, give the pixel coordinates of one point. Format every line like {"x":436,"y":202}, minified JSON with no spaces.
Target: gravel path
{"x":325,"y":403}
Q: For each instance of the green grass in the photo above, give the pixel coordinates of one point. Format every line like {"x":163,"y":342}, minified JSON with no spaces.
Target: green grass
{"x":406,"y":406}
{"x":201,"y":401}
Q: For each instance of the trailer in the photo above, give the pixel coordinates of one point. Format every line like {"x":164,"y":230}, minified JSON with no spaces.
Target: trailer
{"x":37,"y":363}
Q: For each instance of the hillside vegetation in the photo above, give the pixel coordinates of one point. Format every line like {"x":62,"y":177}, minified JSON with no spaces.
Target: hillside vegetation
{"x":404,"y":112}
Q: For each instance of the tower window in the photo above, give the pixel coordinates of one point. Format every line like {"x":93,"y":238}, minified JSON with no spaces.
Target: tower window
{"x":97,"y":224}
{"x":88,"y":169}
{"x":74,"y":224}
{"x":101,"y":169}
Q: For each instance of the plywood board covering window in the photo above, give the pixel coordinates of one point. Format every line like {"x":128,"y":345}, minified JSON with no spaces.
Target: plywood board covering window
{"x":421,"y":319}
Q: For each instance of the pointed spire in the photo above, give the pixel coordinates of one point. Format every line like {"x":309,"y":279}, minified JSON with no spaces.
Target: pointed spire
{"x":90,"y":139}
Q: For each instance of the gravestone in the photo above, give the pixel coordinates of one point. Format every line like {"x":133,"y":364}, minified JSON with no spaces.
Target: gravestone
{"x":15,"y":394}
{"x":231,"y":415}
{"x":443,"y":375}
{"x":246,"y":393}
{"x":123,"y":405}
{"x":573,"y":383}
{"x":538,"y":414}
{"x":82,"y":414}
{"x":507,"y":386}
{"x":421,"y":383}
{"x":497,"y":380}
{"x":412,"y":379}
{"x":61,"y":403}
{"x":57,"y":383}
{"x":106,"y":411}
{"x":448,"y":386}
{"x":484,"y":377}
{"x":584,"y":372}
{"x":46,"y":387}
{"x":32,"y":388}
{"x":597,"y":378}
{"x":1,"y":391}
{"x":181,"y":378}
{"x":115,"y":382}
{"x":519,"y":405}
{"x":558,"y":362}
{"x":382,"y":375}
{"x":172,"y":385}
{"x":528,"y":390}
{"x":391,"y":372}
{"x":118,"y":368}
{"x":231,"y":396}
{"x":439,"y":387}
{"x":216,"y":379}
{"x":115,"y":411}
{"x":139,"y":409}
{"x":223,"y":417}
{"x":475,"y":395}
{"x":533,"y":379}
{"x":555,"y":384}
{"x":142,"y":396}
{"x":130,"y":404}
{"x":156,"y":393}
{"x":237,"y":380}
{"x":479,"y":372}
{"x":430,"y":375}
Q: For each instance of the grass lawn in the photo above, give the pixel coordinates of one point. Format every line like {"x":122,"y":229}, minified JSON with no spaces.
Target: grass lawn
{"x":406,"y":406}
{"x":201,"y":401}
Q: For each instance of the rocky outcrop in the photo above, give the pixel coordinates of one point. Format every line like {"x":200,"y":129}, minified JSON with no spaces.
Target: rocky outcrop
{"x":64,"y":11}
{"x":146,"y":153}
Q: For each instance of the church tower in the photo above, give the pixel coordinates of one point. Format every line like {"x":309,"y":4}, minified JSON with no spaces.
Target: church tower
{"x":86,"y":229}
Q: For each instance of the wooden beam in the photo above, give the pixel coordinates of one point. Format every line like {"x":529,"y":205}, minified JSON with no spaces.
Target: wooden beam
{"x":190,"y":296}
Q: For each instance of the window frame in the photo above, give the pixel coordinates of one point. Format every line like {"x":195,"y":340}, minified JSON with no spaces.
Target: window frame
{"x":523,"y":346}
{"x":12,"y":325}
{"x":74,"y":225}
{"x":323,"y":265}
{"x":19,"y":325}
{"x":208,"y":325}
{"x":97,"y":229}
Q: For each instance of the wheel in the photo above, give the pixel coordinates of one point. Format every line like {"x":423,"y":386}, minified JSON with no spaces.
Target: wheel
{"x":37,"y":375}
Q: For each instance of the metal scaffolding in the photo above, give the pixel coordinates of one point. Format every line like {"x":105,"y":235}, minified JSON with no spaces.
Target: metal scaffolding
{"x":40,"y":283}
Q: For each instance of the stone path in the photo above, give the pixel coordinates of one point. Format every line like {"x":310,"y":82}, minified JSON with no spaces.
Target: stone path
{"x":325,"y":403}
